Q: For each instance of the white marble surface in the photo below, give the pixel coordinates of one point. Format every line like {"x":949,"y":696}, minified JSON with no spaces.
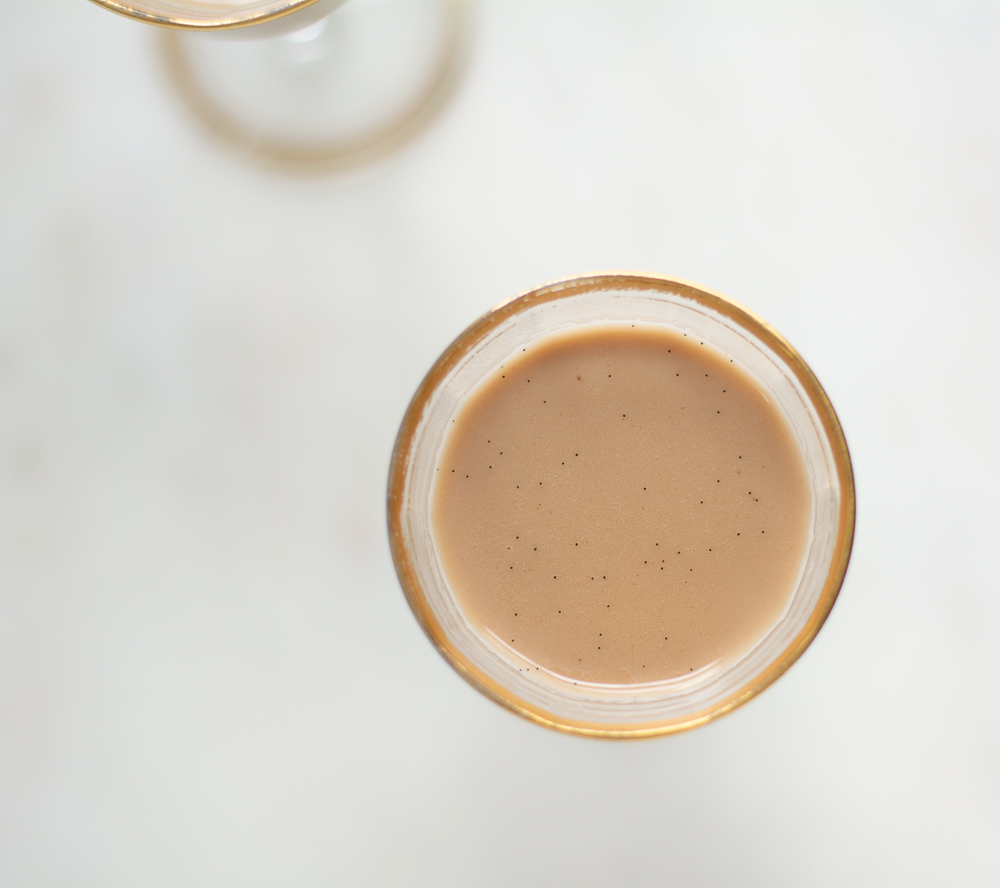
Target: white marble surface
{"x":208,"y":675}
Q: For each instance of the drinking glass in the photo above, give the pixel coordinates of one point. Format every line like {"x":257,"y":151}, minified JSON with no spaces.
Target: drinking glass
{"x":309,"y":83}
{"x":625,"y":710}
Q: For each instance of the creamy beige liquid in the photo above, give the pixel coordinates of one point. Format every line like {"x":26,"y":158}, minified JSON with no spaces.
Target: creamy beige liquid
{"x":621,"y":504}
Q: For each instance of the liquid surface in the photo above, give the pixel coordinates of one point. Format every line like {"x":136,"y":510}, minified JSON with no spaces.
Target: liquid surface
{"x":621,"y":504}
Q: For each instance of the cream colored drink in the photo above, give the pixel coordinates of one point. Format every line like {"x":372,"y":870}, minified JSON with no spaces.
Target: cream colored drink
{"x":621,"y":504}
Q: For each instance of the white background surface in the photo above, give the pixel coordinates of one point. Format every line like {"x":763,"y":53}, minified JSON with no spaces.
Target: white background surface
{"x":208,"y":674}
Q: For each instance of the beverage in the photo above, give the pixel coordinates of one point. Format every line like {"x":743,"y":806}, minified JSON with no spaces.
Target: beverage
{"x":621,"y":504}
{"x":266,"y":17}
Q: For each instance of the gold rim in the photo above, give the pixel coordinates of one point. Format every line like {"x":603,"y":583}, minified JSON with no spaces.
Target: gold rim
{"x":337,"y":153}
{"x":560,"y":289}
{"x":214,"y":22}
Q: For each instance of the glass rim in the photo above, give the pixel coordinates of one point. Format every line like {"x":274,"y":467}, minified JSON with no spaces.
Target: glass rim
{"x":221,"y":21}
{"x":475,"y":333}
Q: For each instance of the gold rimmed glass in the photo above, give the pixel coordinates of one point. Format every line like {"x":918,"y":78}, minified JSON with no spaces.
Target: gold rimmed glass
{"x":627,"y":710}
{"x":216,"y":16}
{"x":304,"y":83}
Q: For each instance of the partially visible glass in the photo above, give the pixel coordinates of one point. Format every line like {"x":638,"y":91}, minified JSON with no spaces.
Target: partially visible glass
{"x":308,"y":83}
{"x":628,"y":710}
{"x":224,"y":14}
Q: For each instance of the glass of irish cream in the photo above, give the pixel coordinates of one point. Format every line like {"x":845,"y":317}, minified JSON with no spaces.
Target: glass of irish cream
{"x":621,"y":505}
